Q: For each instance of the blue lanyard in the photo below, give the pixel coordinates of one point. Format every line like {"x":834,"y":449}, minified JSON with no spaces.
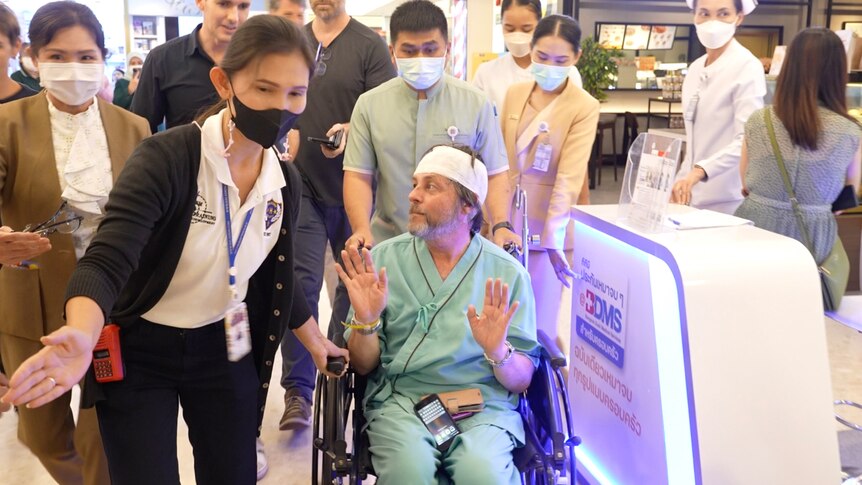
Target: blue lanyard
{"x":233,"y":250}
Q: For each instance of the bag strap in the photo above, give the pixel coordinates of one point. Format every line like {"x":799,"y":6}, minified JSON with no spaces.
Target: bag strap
{"x":803,"y":229}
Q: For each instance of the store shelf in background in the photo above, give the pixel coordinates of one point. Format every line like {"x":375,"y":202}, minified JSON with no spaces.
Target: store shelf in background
{"x":148,"y":31}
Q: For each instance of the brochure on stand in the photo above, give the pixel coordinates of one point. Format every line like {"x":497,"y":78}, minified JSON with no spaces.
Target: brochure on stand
{"x":648,"y":181}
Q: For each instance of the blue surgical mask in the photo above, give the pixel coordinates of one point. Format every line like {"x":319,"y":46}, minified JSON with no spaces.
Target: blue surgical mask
{"x":421,"y":72}
{"x":549,"y":77}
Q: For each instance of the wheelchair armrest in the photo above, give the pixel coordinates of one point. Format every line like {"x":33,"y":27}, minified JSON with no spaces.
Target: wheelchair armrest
{"x":552,"y":352}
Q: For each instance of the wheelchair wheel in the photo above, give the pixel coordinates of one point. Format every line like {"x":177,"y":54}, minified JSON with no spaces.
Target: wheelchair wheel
{"x":318,"y":442}
{"x":333,"y":461}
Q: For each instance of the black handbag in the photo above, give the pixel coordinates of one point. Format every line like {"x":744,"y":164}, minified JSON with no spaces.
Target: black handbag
{"x":846,"y":199}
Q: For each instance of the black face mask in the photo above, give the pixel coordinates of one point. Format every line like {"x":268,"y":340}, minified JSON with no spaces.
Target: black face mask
{"x":264,"y":127}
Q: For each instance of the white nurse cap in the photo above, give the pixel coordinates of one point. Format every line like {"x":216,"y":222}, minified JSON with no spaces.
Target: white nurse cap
{"x":456,"y":165}
{"x":748,"y":6}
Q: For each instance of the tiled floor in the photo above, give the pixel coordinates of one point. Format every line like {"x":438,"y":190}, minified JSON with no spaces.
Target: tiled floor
{"x":290,"y":452}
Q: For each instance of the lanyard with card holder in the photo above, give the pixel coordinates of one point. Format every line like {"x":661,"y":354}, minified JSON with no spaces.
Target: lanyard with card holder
{"x":236,"y":326}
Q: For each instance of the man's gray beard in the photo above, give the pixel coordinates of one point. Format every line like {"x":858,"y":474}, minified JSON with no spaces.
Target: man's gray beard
{"x":426,"y":231}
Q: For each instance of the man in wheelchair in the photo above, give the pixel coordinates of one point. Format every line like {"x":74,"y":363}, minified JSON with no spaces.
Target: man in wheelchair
{"x":414,"y":329}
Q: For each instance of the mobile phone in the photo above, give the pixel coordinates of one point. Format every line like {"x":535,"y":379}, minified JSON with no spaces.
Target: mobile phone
{"x":434,"y":416}
{"x":332,"y":142}
{"x":107,"y":358}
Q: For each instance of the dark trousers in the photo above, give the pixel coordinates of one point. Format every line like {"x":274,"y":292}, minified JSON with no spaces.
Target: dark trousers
{"x":167,"y":366}
{"x":318,"y":225}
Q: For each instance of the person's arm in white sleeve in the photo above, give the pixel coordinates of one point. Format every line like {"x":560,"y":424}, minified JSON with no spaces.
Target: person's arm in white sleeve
{"x":747,"y":98}
{"x":479,"y":78}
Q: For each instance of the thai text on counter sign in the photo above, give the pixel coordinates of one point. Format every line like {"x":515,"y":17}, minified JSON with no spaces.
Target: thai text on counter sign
{"x":629,"y":419}
{"x":600,"y":285}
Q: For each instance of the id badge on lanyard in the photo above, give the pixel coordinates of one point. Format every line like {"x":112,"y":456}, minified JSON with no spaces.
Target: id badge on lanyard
{"x":542,"y":159}
{"x":236,"y":326}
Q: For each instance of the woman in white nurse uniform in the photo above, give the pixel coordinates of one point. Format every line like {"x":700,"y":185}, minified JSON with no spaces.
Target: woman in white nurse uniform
{"x":720,"y":92}
{"x":519,"y":19}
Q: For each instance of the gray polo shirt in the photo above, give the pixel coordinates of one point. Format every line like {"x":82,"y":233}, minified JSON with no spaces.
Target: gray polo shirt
{"x":391,"y":129}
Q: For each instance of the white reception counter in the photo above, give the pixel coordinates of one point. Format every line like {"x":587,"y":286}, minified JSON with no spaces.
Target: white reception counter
{"x":698,"y":357}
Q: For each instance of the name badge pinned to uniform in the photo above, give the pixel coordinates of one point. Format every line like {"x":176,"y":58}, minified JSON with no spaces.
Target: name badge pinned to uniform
{"x":691,"y":108}
{"x":542,"y":159}
{"x":452,"y":131}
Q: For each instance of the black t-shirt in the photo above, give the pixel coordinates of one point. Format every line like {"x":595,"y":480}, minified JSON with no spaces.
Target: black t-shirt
{"x":175,"y":83}
{"x":22,"y":93}
{"x":356,"y":61}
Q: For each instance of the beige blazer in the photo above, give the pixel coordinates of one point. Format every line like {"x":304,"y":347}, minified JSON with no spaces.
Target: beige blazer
{"x":32,"y":300}
{"x":571,"y":121}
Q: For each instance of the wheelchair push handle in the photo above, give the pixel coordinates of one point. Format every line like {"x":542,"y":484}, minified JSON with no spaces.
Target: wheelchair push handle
{"x":335,"y":365}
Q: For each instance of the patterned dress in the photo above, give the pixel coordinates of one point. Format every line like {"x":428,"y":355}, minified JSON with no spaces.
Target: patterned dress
{"x":817,"y":177}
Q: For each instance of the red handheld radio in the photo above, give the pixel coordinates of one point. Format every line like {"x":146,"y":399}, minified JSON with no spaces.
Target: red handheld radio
{"x":107,"y":358}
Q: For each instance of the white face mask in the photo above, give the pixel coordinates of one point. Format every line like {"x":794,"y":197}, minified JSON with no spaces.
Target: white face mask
{"x":421,"y":72}
{"x":518,"y":43}
{"x":73,"y":83}
{"x":28,"y":65}
{"x":714,"y":34}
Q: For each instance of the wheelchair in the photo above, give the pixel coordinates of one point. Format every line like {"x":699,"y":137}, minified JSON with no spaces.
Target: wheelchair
{"x":547,"y":457}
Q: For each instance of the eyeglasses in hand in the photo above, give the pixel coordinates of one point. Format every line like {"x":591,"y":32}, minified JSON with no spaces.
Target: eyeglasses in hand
{"x":63,"y":221}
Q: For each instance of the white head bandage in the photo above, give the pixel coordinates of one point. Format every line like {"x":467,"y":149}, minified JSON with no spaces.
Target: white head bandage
{"x":455,"y":165}
{"x":748,"y":6}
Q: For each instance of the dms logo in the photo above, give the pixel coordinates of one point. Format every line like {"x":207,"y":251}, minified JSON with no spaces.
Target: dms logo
{"x":602,"y":311}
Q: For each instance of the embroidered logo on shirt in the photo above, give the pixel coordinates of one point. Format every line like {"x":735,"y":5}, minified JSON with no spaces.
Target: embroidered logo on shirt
{"x":202,"y":214}
{"x":273,"y":212}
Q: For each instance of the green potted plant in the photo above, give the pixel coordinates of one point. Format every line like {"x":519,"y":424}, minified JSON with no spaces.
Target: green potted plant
{"x":598,"y":68}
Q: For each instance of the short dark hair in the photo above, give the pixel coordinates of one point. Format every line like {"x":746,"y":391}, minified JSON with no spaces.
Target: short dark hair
{"x":534,"y":5}
{"x":465,"y":195}
{"x":56,"y":16}
{"x":736,"y":3}
{"x":9,"y":24}
{"x":275,"y":4}
{"x":256,"y":38}
{"x":561,"y":26}
{"x":813,"y":74}
{"x":417,"y":16}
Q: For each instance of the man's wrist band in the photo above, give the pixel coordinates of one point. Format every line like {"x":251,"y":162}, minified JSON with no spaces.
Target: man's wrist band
{"x":510,"y":351}
{"x":364,"y":328}
{"x":499,"y":225}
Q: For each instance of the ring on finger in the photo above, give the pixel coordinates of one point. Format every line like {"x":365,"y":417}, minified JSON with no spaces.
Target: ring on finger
{"x":53,"y":381}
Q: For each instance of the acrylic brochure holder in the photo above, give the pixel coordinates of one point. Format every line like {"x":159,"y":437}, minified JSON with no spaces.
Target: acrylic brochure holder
{"x":648,"y":181}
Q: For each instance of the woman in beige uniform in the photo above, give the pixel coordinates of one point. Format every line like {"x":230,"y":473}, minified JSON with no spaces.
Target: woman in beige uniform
{"x":549,"y":126}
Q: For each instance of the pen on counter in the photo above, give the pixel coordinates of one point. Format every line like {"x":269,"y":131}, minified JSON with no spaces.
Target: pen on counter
{"x":674,"y":221}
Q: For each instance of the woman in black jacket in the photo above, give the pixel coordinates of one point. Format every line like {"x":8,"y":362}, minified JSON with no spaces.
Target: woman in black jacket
{"x":194,"y":263}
